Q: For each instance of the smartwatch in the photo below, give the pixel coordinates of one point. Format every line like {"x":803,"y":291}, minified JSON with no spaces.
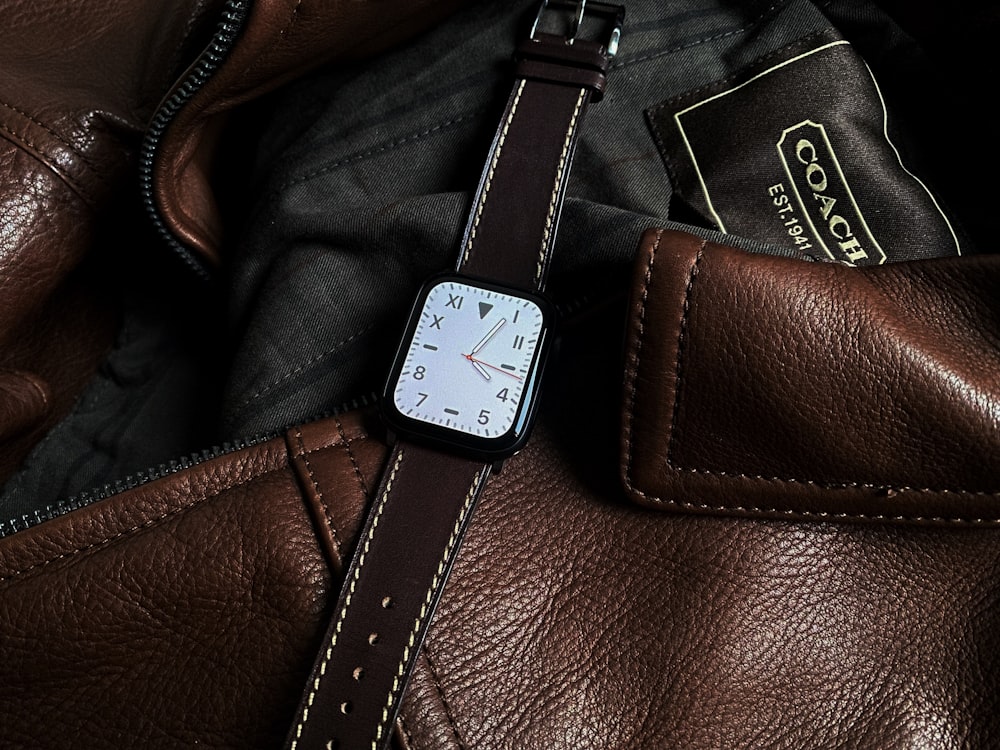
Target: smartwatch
{"x":467,"y":372}
{"x":463,"y":391}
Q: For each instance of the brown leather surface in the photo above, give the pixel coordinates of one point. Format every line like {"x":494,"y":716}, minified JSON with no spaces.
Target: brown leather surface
{"x":190,"y":608}
{"x":79,"y":82}
{"x":54,"y":324}
{"x":768,"y":386}
{"x":281,"y":39}
{"x":574,"y":621}
{"x":182,"y":613}
{"x":401,"y":564}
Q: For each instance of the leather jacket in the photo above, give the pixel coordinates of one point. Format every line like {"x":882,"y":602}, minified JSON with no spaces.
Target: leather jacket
{"x":805,"y":557}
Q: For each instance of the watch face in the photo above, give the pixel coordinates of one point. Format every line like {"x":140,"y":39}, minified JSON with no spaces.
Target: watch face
{"x":469,"y":364}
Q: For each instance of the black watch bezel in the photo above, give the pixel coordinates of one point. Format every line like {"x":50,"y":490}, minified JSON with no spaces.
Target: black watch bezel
{"x":487,"y":449}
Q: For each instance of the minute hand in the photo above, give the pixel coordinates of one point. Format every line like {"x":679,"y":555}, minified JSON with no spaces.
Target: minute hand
{"x":486,"y":339}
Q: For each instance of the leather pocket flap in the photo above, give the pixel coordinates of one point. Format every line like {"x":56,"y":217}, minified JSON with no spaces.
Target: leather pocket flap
{"x":759,"y":385}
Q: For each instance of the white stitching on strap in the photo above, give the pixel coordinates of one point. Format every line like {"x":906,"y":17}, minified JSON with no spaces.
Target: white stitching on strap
{"x":397,"y":682}
{"x":489,"y":176}
{"x":347,"y":601}
{"x":557,"y":187}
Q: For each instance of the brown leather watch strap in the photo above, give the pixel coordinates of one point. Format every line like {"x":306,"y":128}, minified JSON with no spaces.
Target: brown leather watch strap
{"x":417,"y":520}
{"x":512,"y":225}
{"x":403,"y":556}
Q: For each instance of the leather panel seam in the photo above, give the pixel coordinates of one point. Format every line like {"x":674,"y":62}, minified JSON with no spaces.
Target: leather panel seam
{"x":319,"y":492}
{"x":448,"y":712}
{"x":682,"y":342}
{"x":28,"y":147}
{"x":60,"y":138}
{"x":337,"y":443}
{"x":350,"y":454}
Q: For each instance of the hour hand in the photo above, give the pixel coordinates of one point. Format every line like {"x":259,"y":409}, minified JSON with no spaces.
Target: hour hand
{"x":479,"y":368}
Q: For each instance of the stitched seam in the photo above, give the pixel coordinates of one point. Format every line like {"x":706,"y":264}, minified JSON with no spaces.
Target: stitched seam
{"x":305,"y":365}
{"x":802,"y":514}
{"x":449,"y":715}
{"x":322,"y":448}
{"x":681,"y":351}
{"x":436,"y":581}
{"x":127,"y":532}
{"x":351,"y":456}
{"x":489,"y":175}
{"x":813,"y":515}
{"x":39,"y":123}
{"x":557,"y":188}
{"x":319,"y":493}
{"x":347,"y":601}
{"x":41,"y":157}
{"x":682,"y":340}
{"x":62,"y":139}
{"x":634,"y":371}
{"x":407,"y":732}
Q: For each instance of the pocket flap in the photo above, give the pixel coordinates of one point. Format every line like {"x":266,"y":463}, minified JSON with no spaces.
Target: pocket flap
{"x":767,"y":386}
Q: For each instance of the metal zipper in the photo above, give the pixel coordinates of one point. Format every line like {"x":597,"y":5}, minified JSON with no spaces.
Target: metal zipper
{"x":131,"y":482}
{"x":234,"y":15}
{"x":232,"y":19}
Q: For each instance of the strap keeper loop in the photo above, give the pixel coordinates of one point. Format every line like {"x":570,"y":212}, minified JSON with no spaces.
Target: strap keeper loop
{"x":550,"y":58}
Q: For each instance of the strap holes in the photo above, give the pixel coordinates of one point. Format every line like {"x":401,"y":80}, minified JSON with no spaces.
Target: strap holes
{"x":387,"y":602}
{"x":346,"y":708}
{"x":358,"y":674}
{"x":373,"y":639}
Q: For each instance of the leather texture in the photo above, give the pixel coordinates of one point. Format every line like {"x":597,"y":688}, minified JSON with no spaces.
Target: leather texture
{"x":512,"y":228}
{"x":81,"y":82}
{"x":572,"y":618}
{"x":625,"y":583}
{"x":182,"y":613}
{"x":75,"y":97}
{"x":749,"y":353}
{"x":403,"y":557}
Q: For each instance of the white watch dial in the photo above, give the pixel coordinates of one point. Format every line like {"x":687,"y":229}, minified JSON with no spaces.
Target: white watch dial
{"x":470,"y":359}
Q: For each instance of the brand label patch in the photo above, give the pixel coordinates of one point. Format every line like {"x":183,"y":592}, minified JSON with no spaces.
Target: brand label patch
{"x":797,"y":152}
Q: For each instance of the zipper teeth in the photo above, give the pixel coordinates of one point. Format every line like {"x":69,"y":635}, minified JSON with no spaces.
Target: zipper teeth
{"x":88,"y":497}
{"x":231,"y":23}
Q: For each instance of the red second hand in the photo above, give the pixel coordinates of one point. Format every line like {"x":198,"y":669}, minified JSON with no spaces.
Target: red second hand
{"x":492,"y":367}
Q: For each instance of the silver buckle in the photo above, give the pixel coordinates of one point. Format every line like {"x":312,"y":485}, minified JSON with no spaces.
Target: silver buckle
{"x":614,"y":16}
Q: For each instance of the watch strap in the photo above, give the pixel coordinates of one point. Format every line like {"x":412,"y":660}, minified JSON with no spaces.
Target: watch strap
{"x":419,"y":515}
{"x":403,"y":556}
{"x":516,"y":210}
